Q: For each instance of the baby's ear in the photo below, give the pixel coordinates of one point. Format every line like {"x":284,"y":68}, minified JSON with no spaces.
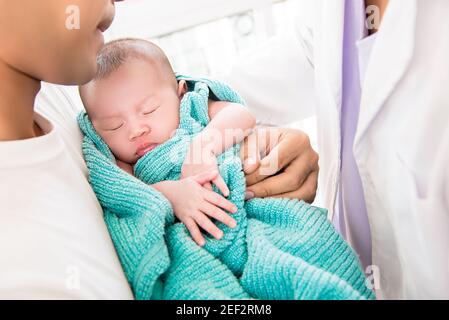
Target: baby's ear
{"x":182,"y":88}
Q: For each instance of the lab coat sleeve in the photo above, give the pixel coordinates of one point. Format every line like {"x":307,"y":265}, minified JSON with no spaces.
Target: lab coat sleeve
{"x":277,"y":79}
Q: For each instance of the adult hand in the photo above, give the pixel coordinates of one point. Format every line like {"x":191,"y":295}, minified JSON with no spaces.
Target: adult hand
{"x":280,"y":162}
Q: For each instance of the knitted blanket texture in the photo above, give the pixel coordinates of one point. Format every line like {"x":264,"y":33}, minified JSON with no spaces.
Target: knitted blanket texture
{"x":280,"y":249}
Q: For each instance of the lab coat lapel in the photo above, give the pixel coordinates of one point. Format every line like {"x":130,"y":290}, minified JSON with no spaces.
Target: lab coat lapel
{"x":330,"y":47}
{"x":328,"y":61}
{"x":390,"y":59}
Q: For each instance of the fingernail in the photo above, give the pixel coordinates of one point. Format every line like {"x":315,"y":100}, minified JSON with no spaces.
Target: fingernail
{"x":249,"y":195}
{"x":220,"y":235}
{"x":202,"y":243}
{"x":233,"y":224}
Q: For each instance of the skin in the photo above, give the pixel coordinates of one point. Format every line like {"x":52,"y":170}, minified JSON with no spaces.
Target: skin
{"x":136,"y":105}
{"x":133,"y":107}
{"x":381,"y":4}
{"x":65,"y":56}
{"x":59,"y":55}
{"x":280,"y":163}
{"x":139,"y":105}
{"x":195,"y":207}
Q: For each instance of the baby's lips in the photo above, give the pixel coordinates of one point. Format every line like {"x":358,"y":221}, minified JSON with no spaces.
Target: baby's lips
{"x":144,"y":149}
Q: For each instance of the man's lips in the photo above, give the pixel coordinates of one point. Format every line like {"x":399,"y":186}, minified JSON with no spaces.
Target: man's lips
{"x":145,"y":148}
{"x":106,"y":22}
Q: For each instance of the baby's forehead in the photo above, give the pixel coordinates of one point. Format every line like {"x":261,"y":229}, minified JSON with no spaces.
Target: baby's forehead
{"x":101,"y":98}
{"x":140,"y":69}
{"x":152,"y":69}
{"x":129,"y":72}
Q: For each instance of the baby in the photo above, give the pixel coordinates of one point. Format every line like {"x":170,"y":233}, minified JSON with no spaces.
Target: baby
{"x":281,"y":248}
{"x":133,"y":103}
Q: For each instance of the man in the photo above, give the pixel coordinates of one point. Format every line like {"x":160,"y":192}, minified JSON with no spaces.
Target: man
{"x":382,"y":108}
{"x":53,"y":241}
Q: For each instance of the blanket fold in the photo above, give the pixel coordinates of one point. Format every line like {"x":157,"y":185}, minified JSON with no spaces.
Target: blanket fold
{"x":280,"y":249}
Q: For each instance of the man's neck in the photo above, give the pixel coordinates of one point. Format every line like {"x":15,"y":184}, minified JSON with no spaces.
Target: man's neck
{"x":381,"y":4}
{"x":17,"y":95}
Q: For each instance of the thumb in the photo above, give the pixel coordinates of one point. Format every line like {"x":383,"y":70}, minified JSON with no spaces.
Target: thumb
{"x":250,"y":165}
{"x":250,"y":154}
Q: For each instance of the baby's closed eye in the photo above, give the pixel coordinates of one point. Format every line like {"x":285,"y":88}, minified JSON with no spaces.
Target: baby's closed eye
{"x":115,"y":128}
{"x":150,"y":110}
{"x":109,"y":125}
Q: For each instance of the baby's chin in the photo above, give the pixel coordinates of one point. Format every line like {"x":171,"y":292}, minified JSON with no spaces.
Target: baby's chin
{"x":128,"y":159}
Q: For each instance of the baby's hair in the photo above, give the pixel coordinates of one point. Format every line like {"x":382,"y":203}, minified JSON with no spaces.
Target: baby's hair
{"x":115,"y":53}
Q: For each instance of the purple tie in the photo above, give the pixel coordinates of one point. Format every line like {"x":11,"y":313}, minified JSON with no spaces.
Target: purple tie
{"x":352,"y":216}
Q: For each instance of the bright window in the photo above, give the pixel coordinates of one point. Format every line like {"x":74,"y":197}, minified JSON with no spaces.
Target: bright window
{"x":202,"y":37}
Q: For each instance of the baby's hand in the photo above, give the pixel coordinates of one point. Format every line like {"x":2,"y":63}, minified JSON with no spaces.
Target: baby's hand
{"x":200,"y":160}
{"x":194,"y":205}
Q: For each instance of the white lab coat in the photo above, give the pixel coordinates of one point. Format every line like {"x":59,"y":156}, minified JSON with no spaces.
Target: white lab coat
{"x":402,"y":141}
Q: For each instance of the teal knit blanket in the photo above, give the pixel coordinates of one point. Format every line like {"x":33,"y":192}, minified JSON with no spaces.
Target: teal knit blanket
{"x":280,"y":249}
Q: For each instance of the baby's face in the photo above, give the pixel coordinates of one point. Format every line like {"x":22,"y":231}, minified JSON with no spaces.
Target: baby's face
{"x":133,"y":109}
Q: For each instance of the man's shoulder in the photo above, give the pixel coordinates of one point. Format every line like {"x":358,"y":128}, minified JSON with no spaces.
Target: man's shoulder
{"x":60,"y":105}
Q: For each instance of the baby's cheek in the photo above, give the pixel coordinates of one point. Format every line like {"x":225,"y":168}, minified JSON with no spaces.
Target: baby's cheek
{"x":121,"y":148}
{"x":161,"y":131}
{"x":170,"y":131}
{"x":173,"y":124}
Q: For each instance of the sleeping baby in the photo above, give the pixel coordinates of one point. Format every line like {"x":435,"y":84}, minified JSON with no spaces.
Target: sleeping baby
{"x":160,"y":147}
{"x":133,"y":104}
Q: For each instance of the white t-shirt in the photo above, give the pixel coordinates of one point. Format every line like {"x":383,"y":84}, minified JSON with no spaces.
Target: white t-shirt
{"x":54,"y":243}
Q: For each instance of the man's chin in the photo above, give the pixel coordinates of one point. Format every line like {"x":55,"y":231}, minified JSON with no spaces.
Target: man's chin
{"x":84,"y":76}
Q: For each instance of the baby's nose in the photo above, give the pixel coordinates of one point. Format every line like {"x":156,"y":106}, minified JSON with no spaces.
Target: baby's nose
{"x":139,"y":132}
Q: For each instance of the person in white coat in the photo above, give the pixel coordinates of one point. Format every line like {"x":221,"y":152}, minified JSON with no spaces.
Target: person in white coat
{"x":381,"y":100}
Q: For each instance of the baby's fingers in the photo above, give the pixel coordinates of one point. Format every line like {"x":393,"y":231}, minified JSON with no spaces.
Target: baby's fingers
{"x":195,"y":232}
{"x":221,"y":185}
{"x":219,"y":201}
{"x":207,"y":225}
{"x":205,"y":177}
{"x":208,"y":186}
{"x":218,"y":214}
